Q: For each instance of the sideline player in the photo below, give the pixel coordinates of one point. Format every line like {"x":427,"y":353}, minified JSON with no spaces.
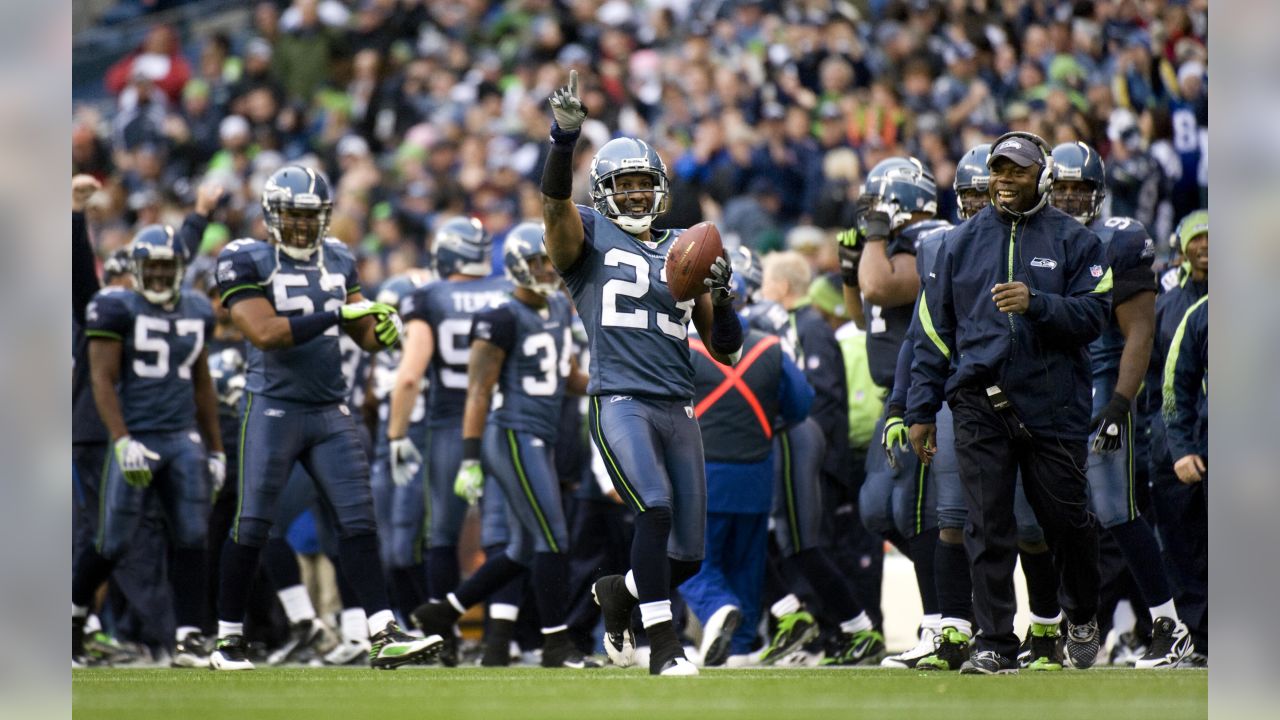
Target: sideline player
{"x":290,"y":296}
{"x":641,"y":388}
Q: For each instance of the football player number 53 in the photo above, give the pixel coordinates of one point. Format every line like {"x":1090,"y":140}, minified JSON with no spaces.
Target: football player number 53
{"x":638,"y":318}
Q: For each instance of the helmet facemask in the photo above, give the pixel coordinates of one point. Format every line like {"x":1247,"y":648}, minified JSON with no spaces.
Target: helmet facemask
{"x":158,"y":276}
{"x":298,"y":225}
{"x":1081,"y":199}
{"x":536,"y":273}
{"x":972,"y":199}
{"x":635,"y":204}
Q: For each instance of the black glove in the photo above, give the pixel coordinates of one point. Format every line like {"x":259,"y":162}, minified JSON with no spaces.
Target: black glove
{"x":1111,"y":425}
{"x":718,"y":284}
{"x":850,"y":251}
{"x":874,"y":224}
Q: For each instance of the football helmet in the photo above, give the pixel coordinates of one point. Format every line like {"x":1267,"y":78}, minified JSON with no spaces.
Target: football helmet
{"x":296,"y":204}
{"x":396,"y":288}
{"x":746,"y":265}
{"x":116,"y":264}
{"x":461,"y":246}
{"x":227,"y":370}
{"x":625,"y":156}
{"x":1079,"y":181}
{"x":525,"y":256}
{"x":156,"y":264}
{"x":973,"y":179}
{"x":901,"y":187}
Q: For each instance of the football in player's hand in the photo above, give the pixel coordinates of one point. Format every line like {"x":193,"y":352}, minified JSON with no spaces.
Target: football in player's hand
{"x":689,"y":260}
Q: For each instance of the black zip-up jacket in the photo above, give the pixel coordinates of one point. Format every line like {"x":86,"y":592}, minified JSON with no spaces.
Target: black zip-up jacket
{"x":1040,"y":358}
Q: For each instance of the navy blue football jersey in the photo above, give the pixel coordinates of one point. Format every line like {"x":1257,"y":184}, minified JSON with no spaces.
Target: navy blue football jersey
{"x":539,"y":347}
{"x":313,"y":371}
{"x":160,"y":346}
{"x":448,"y":307}
{"x":887,"y":326}
{"x":356,"y":366}
{"x":1130,"y":251}
{"x":636,"y":330}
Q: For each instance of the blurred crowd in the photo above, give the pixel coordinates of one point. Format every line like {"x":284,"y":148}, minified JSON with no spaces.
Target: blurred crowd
{"x":767,"y":113}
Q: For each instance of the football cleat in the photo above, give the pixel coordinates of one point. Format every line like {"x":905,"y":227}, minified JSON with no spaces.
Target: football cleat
{"x":192,"y":651}
{"x":230,"y":654}
{"x":1127,"y":650}
{"x":794,"y":630}
{"x":1046,"y":650}
{"x":497,"y":643}
{"x":950,"y":650}
{"x":78,"y":657}
{"x":717,"y":635}
{"x":909,"y":659}
{"x":1170,"y":645}
{"x":558,"y":651}
{"x":392,"y":647}
{"x":677,"y":667}
{"x":347,"y":652}
{"x":1082,"y":644}
{"x":100,"y":646}
{"x":989,"y":662}
{"x":864,"y":647}
{"x":437,"y":618}
{"x":616,"y":603}
{"x":308,"y":640}
{"x":1194,"y":659}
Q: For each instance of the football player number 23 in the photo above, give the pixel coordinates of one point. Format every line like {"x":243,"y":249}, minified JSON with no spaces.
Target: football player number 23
{"x":638,"y":318}
{"x":151,"y":336}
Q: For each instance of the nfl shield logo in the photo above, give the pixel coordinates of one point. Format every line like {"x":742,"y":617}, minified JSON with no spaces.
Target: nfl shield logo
{"x":1095,"y":270}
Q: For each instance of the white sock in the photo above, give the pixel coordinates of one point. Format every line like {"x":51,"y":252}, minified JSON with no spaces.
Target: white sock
{"x":631,"y":584}
{"x":453,"y":600}
{"x":92,"y":624}
{"x":785,"y":606}
{"x":1165,"y":609}
{"x":857,"y":625}
{"x":554,"y":630}
{"x":960,"y":624}
{"x":1055,"y":620}
{"x":297,"y":604}
{"x":378,"y":621}
{"x":932,"y":621}
{"x":229,"y":628}
{"x":655,"y":612}
{"x":78,"y":611}
{"x":504,"y":611}
{"x":183,"y":631}
{"x":355,"y":626}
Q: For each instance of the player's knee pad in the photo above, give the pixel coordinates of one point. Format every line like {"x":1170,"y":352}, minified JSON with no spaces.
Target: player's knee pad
{"x":951,"y":535}
{"x":682,"y":570}
{"x":1032,"y":546}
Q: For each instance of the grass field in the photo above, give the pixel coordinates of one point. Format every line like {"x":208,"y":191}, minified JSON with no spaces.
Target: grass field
{"x":533,"y":693}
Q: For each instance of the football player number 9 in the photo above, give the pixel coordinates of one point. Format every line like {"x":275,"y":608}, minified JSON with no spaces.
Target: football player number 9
{"x":638,"y":318}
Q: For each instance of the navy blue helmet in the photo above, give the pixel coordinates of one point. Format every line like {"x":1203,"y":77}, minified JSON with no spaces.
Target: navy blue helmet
{"x":116,"y":264}
{"x":156,"y":264}
{"x":625,"y":156}
{"x":524,"y":254}
{"x":901,"y":187}
{"x":296,"y":204}
{"x":1079,"y":181}
{"x":396,"y":288}
{"x":973,"y":180}
{"x":227,"y":369}
{"x":461,"y":246}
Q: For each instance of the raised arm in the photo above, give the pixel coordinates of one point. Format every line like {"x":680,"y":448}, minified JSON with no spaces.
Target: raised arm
{"x":564,"y":234}
{"x":84,"y":273}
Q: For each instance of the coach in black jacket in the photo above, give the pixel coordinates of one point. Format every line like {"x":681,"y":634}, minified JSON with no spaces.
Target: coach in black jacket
{"x":1008,"y":311}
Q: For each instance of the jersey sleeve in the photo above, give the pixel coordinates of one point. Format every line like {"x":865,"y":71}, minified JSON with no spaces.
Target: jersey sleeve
{"x":204,"y":311}
{"x":901,"y":243}
{"x":108,"y":316}
{"x":588,"y":216}
{"x":345,"y":263}
{"x":239,"y":275}
{"x":414,"y":305}
{"x":495,"y":325}
{"x":1131,"y":255}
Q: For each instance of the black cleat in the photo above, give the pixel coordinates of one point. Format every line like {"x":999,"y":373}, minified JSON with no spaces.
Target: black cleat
{"x":616,"y":603}
{"x":558,"y":651}
{"x":1083,"y":644}
{"x":438,"y":618}
{"x":230,"y":654}
{"x":392,"y":648}
{"x":989,"y":662}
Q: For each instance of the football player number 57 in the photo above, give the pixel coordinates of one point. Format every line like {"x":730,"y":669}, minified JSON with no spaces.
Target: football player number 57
{"x":638,"y":318}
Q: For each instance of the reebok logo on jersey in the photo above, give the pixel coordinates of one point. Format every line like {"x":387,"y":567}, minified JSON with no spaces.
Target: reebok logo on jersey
{"x":1047,"y":263}
{"x":688,"y":410}
{"x":194,"y":437}
{"x":344,"y":409}
{"x":1095,"y":270}
{"x":618,"y":398}
{"x":273,"y":412}
{"x":537,"y":442}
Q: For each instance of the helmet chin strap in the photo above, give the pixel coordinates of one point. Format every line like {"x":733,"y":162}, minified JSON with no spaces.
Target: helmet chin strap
{"x":633,"y":225}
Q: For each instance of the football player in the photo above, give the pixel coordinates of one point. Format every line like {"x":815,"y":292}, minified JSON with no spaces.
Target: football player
{"x":1120,"y":357}
{"x":523,"y":347}
{"x":291,"y":296}
{"x":438,"y":317}
{"x":641,"y":387}
{"x":151,"y":384}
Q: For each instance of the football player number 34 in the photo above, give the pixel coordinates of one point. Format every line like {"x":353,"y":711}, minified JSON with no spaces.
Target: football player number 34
{"x":638,"y":318}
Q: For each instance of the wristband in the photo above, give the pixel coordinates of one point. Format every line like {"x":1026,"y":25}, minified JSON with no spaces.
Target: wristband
{"x":726,"y":330}
{"x":557,"y":173}
{"x":564,"y":137}
{"x":307,"y":327}
{"x":471,"y":448}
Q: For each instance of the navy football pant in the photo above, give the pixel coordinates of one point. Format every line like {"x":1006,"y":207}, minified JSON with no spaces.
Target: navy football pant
{"x":797,"y":491}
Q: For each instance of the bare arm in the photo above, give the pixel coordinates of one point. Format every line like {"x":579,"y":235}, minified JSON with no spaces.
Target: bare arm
{"x":577,"y":383}
{"x":564,"y":233}
{"x":104,"y":372}
{"x":482,"y":374}
{"x":702,"y":317}
{"x":206,"y":403}
{"x":418,"y":345}
{"x":260,"y":324}
{"x":362,"y":330}
{"x":853,"y":306}
{"x":1137,"y":319}
{"x":887,"y":281}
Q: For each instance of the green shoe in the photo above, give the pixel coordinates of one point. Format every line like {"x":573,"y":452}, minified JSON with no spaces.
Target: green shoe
{"x":392,"y":648}
{"x":1046,"y":649}
{"x":864,"y":646}
{"x":951,"y":651}
{"x":794,"y":630}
